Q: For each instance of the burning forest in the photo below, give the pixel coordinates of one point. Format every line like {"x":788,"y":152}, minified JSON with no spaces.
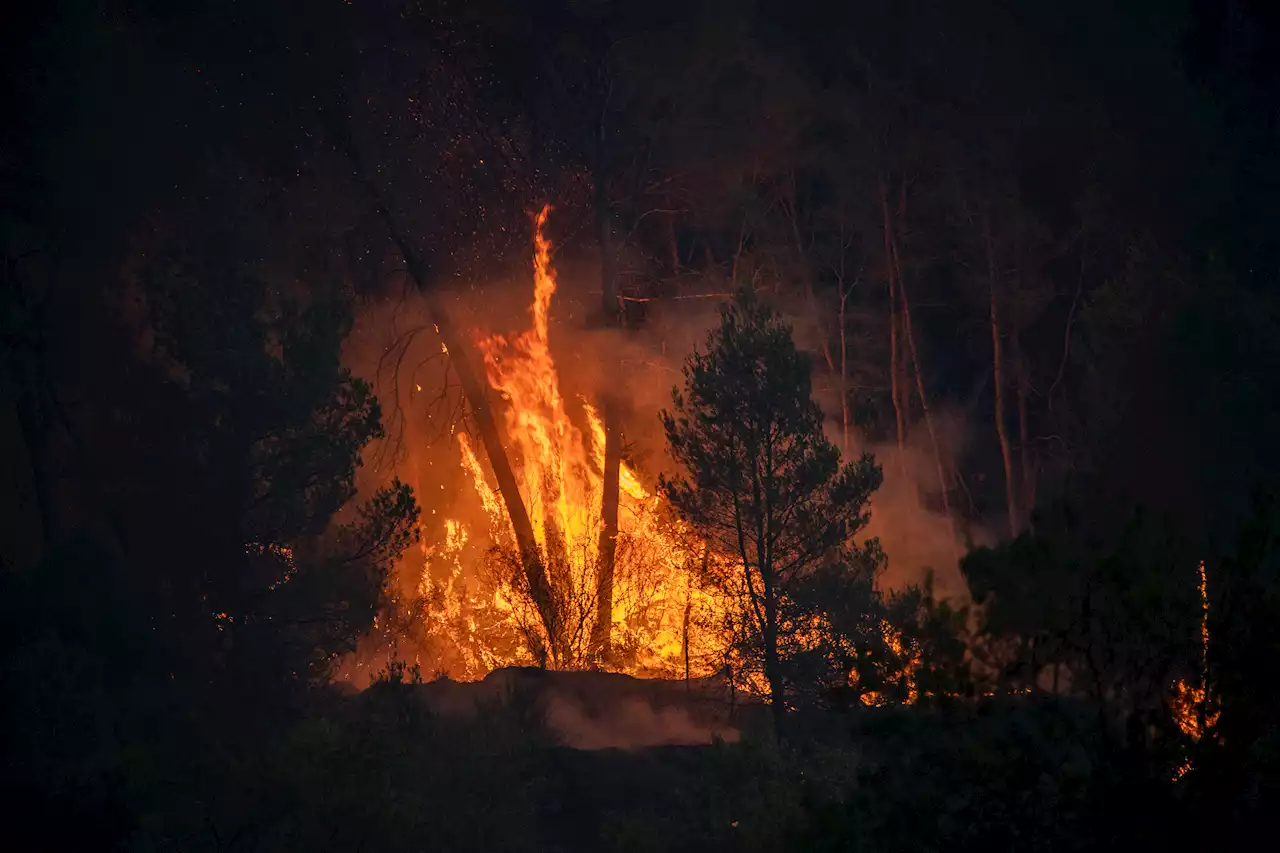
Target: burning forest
{"x":607,"y":426}
{"x":643,"y":601}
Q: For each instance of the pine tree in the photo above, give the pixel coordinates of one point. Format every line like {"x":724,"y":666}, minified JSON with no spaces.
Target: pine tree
{"x":763,"y":483}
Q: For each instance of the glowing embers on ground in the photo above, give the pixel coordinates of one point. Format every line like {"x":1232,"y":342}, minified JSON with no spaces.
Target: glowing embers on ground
{"x":663,"y":624}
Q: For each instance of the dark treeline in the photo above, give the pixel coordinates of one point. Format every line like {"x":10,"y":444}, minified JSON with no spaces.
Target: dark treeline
{"x":1053,"y":225}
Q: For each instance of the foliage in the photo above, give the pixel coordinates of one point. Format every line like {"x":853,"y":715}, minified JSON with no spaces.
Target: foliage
{"x":867,"y":646}
{"x":763,"y":485}
{"x":184,"y":630}
{"x":1001,"y":775}
{"x":843,"y":650}
{"x":939,"y":635}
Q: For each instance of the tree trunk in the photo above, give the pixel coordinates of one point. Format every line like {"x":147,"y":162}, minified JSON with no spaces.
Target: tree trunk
{"x":793,"y":214}
{"x":688,"y":609}
{"x":23,"y":381}
{"x":688,"y":602}
{"x":844,"y":376}
{"x":1006,"y":454}
{"x":608,"y":529}
{"x":477,"y":395}
{"x":895,"y":391}
{"x":602,"y":630}
{"x":32,"y":424}
{"x":1027,"y":457}
{"x":673,"y":247}
{"x":924,"y":399}
{"x":476,"y":391}
{"x":773,"y":669}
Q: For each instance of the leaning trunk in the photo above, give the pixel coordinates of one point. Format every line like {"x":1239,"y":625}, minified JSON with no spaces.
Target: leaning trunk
{"x":476,"y":392}
{"x":477,"y":395}
{"x":1006,"y":454}
{"x":773,"y":669}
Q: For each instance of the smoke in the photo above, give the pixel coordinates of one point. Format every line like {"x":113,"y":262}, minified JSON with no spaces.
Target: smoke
{"x":919,"y":539}
{"x":592,"y":710}
{"x":919,"y":536}
{"x":631,"y":724}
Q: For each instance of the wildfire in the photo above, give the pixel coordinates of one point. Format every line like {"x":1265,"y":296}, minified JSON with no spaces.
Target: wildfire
{"x":662,"y":623}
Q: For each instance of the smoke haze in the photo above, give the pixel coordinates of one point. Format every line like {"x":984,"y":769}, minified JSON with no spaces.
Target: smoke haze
{"x":594,"y":710}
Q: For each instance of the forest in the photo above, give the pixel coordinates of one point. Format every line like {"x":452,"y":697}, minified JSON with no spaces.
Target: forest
{"x":581,"y":425}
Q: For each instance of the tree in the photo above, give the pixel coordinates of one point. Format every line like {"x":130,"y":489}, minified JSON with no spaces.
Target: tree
{"x":1242,"y":668}
{"x":273,"y":427}
{"x":762,"y":484}
{"x":221,"y":456}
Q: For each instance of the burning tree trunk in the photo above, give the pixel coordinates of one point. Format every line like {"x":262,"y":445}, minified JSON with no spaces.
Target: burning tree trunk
{"x":476,"y":392}
{"x":1006,"y":454}
{"x":608,"y":528}
{"x":477,"y":395}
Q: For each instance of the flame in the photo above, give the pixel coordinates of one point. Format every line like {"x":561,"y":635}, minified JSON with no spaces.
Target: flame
{"x":1190,"y":704}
